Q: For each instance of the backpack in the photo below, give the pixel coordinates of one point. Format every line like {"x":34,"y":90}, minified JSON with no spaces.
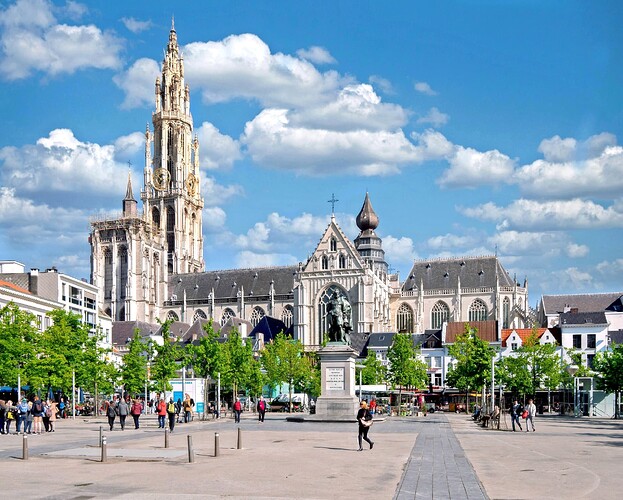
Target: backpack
{"x":22,"y":408}
{"x":171,"y":408}
{"x":37,"y":406}
{"x":111,"y":412}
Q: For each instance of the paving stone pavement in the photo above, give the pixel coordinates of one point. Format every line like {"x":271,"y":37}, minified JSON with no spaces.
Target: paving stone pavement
{"x":438,"y":467}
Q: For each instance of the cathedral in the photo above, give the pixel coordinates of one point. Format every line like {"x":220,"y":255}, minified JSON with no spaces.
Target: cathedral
{"x":148,"y":265}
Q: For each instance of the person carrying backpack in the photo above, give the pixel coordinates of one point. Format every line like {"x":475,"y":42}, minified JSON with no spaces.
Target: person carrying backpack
{"x":135,"y":411}
{"x":22,"y":412}
{"x":171,"y":411}
{"x":37,"y":413}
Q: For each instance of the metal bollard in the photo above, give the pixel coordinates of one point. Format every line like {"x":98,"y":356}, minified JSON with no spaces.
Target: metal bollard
{"x":217,"y":450}
{"x":104,"y":457}
{"x":166,"y":438}
{"x":191,"y":452}
{"x":25,"y":447}
{"x":100,"y":443}
{"x":239,"y":445}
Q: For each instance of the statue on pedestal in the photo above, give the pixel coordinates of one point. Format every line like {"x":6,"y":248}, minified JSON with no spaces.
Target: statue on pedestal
{"x":339,"y":316}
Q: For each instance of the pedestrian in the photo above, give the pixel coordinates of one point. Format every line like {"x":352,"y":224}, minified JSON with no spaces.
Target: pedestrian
{"x":62,"y":407}
{"x":46,"y":416}
{"x":111,"y":412}
{"x":135,"y":411}
{"x":178,"y":409}
{"x":53,"y":410}
{"x":37,"y":413}
{"x":9,"y":415}
{"x":22,"y":411}
{"x":364,"y":421}
{"x":261,"y":408}
{"x":29,"y":419}
{"x":237,"y":410}
{"x":161,"y":410}
{"x":373,"y":407}
{"x":2,"y":415}
{"x":188,"y":408}
{"x":531,"y":409}
{"x":516,"y":411}
{"x":171,"y":412}
{"x":123,"y":411}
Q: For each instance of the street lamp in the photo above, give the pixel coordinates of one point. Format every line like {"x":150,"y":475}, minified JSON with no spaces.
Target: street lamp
{"x":572,"y":370}
{"x":361,"y":367}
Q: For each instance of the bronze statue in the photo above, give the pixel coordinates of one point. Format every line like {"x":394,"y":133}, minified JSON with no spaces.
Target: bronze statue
{"x":339,"y":312}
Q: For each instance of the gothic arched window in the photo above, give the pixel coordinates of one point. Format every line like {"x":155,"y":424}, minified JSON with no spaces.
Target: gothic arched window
{"x":155,"y":218}
{"x":172,"y":315}
{"x":256,"y":315}
{"x":287,"y":316}
{"x":122,"y":257}
{"x":439,"y":315}
{"x":199,"y":314}
{"x":107,"y":273}
{"x":478,"y":311}
{"x":404,"y":319}
{"x":227,"y":313}
{"x":325,"y":262}
{"x":333,"y":244}
{"x":506,"y":312}
{"x":342,"y":261}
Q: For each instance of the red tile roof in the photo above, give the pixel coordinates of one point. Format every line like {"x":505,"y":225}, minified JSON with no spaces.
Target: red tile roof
{"x":487,"y":330}
{"x":524,"y":334}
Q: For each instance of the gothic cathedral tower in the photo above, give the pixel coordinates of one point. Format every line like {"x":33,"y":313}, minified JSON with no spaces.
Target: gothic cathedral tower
{"x":133,"y":255}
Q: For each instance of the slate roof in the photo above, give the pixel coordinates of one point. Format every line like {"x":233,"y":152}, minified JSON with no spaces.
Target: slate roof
{"x":586,"y":318}
{"x":445,"y":273}
{"x":18,"y":279}
{"x":176,"y":329}
{"x":380,"y":340}
{"x":589,"y":302}
{"x":13,"y":286}
{"x":359,"y":342}
{"x":270,"y":327}
{"x":235,"y":323}
{"x":226,"y":283}
{"x":487,"y":330}
{"x":432,"y":339}
{"x":124,"y":330}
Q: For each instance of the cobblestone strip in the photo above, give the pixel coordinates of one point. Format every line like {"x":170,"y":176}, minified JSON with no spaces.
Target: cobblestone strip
{"x":438,"y":468}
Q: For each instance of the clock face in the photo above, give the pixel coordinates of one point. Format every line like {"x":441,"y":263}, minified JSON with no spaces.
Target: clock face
{"x":162,"y":178}
{"x":191,"y":184}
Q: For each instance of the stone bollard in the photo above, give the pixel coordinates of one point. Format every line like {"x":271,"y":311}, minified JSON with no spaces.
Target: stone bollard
{"x":25,"y":447}
{"x":239,"y":442}
{"x":217,"y":450}
{"x":104,"y":457}
{"x":166,"y":438}
{"x":191,"y":452}
{"x":101,"y":434}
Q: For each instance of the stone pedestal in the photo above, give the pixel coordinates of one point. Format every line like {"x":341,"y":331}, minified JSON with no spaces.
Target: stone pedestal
{"x":337,"y":400}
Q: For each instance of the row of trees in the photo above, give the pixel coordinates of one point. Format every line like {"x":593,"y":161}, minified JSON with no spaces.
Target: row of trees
{"x":532,"y":367}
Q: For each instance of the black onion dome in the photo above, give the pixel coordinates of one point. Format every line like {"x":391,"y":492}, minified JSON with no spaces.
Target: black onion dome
{"x":367,"y":218}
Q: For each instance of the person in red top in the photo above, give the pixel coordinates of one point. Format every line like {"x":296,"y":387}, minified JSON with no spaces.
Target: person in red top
{"x":373,"y":406}
{"x":136,"y":410}
{"x":237,"y":410}
{"x":161,"y":410}
{"x":261,"y":408}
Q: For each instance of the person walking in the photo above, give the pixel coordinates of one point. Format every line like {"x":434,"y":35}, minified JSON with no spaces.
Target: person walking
{"x":364,"y":421}
{"x":111,"y":413}
{"x":237,"y":410}
{"x":123,"y":410}
{"x":516,"y":411}
{"x":161,"y":411}
{"x":135,"y":411}
{"x":261,"y":409}
{"x":531,"y":409}
{"x":171,"y":412}
{"x":9,"y":415}
{"x":46,"y":416}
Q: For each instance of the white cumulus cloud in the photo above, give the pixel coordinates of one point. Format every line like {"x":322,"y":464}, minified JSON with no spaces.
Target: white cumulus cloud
{"x":576,"y":251}
{"x":434,"y":117}
{"x":136,"y":26}
{"x":216,"y":150}
{"x":138,"y":83}
{"x":399,"y":250}
{"x":424,"y":88}
{"x":317,"y":55}
{"x":471,"y":168}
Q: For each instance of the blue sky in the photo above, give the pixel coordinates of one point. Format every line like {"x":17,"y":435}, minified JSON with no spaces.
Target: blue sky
{"x":474,"y":126}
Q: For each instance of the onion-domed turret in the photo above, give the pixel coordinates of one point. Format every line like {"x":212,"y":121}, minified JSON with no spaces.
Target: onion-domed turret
{"x":367,"y":218}
{"x":368,"y":244}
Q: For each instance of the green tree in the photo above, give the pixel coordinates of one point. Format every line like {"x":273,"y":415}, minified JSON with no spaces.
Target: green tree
{"x":238,"y":362}
{"x":609,"y":368}
{"x":134,"y":368}
{"x":405,"y":367}
{"x":284,"y":361}
{"x":165,"y":364}
{"x":514,"y":374}
{"x":542,"y":362}
{"x":472,"y":368}
{"x":19,"y":340}
{"x":373,"y":372}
